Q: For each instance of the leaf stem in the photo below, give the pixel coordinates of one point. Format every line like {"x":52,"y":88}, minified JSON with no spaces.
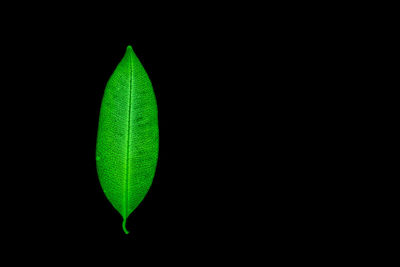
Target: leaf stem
{"x":124,"y":226}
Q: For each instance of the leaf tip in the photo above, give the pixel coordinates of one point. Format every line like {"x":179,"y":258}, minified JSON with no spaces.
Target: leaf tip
{"x":129,"y":51}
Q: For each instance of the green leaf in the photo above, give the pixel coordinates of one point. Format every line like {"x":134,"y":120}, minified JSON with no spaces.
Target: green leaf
{"x":127,"y":137}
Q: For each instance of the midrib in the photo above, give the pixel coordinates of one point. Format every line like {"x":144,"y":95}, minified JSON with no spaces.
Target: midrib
{"x":126,"y":195}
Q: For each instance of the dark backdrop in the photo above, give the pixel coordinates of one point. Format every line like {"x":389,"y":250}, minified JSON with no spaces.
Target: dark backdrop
{"x":241,"y":136}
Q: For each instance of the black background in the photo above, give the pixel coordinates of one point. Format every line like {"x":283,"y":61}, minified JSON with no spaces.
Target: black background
{"x":241,"y":133}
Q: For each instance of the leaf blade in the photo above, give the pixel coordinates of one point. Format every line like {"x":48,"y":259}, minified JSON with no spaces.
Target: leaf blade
{"x":127,"y":142}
